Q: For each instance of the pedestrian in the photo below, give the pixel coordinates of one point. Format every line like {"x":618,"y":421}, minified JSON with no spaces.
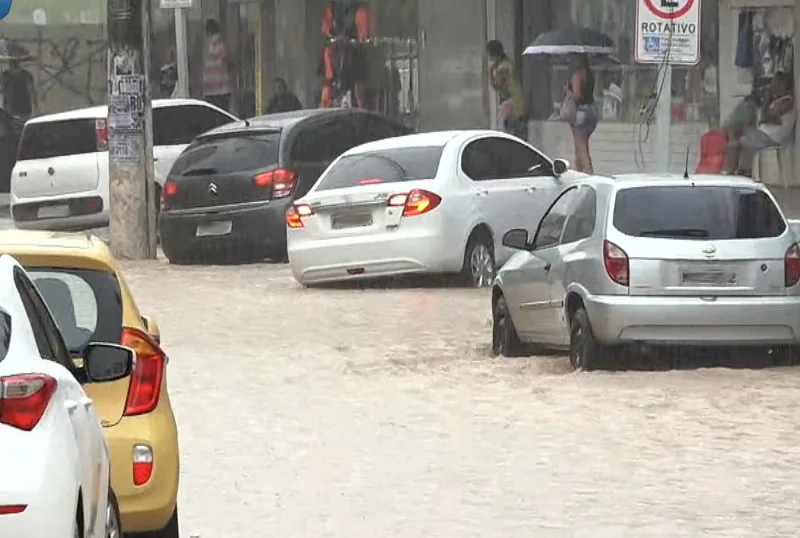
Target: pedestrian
{"x":19,"y":91}
{"x":580,"y":110}
{"x":283,"y":100}
{"x":217,"y":88}
{"x":504,"y":79}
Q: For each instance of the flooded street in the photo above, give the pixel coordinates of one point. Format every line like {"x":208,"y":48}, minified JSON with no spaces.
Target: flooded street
{"x":346,"y":412}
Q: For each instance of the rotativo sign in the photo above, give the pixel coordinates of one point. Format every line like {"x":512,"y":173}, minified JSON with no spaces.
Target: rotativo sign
{"x":668,"y":31}
{"x":5,"y":7}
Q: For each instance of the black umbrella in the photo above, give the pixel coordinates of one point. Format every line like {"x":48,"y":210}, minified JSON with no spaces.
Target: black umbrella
{"x":572,"y":41}
{"x":9,"y":50}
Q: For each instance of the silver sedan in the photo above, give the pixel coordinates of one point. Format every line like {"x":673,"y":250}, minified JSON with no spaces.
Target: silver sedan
{"x":652,"y":260}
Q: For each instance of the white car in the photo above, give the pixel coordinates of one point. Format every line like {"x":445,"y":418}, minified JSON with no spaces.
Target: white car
{"x":60,"y":180}
{"x":54,"y":461}
{"x":424,"y":203}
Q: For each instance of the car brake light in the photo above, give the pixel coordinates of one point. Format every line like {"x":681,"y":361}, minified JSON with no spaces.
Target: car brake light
{"x":8,"y":509}
{"x":142,"y":464}
{"x":148,"y":372}
{"x":294,"y":217}
{"x":791,"y":264}
{"x":24,"y":399}
{"x":616,"y":262}
{"x":101,"y":134}
{"x":370,"y":181}
{"x":281,"y":180}
{"x":416,"y":202}
{"x":170,"y":189}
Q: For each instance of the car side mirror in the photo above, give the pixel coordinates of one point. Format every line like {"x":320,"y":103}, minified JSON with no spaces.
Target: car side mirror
{"x":103,"y":362}
{"x":560,"y":166}
{"x":516,"y":239}
{"x":152,"y":328}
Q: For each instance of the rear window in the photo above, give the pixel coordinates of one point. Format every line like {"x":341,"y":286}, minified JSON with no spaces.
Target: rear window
{"x":57,"y":138}
{"x":5,"y":334}
{"x":385,"y":166}
{"x":228,"y":154}
{"x":86,"y":305}
{"x":710,"y":212}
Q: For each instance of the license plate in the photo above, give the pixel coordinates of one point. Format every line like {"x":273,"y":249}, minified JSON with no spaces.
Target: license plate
{"x":351,"y":220}
{"x":708,"y":277}
{"x":53,"y":212}
{"x":214,"y":228}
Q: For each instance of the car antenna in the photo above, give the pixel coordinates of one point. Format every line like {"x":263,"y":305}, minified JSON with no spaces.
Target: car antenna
{"x":686,"y":166}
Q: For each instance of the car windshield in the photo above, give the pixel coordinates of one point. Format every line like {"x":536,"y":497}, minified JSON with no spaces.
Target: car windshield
{"x":86,"y":305}
{"x":697,"y":212}
{"x":383,"y":166}
{"x":229,"y":154}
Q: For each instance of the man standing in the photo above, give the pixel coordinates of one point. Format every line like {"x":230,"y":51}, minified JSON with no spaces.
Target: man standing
{"x":217,"y":86}
{"x":283,"y":100}
{"x":19,"y":91}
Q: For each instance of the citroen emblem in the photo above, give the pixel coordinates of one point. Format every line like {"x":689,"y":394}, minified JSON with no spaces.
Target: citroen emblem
{"x":710,"y":250}
{"x":212,"y":189}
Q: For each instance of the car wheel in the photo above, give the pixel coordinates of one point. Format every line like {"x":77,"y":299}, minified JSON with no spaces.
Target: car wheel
{"x":585,"y":353}
{"x":113,"y":521}
{"x":479,"y":269}
{"x":505,"y":341}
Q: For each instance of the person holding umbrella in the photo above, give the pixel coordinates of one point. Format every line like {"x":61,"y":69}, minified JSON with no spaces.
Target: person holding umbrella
{"x":578,"y":109}
{"x":505,"y":81}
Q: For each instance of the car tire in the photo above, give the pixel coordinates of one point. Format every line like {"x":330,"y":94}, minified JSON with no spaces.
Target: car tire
{"x":113,"y":519}
{"x":479,"y":265}
{"x":505,"y":340}
{"x":585,"y":353}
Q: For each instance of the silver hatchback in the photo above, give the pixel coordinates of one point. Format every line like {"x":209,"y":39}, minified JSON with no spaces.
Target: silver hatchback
{"x":655,"y":260}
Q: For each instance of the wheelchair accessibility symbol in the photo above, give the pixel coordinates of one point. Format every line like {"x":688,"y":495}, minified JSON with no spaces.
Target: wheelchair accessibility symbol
{"x":652,"y":44}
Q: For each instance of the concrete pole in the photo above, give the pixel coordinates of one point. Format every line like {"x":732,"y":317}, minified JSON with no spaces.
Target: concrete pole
{"x":664,"y":120}
{"x":181,"y":53}
{"x":132,"y":220}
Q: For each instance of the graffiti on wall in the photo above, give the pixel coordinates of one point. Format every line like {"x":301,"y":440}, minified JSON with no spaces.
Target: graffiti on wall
{"x":68,"y":67}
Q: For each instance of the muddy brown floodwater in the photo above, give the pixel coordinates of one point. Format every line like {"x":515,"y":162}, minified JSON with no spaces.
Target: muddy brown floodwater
{"x":372,"y":413}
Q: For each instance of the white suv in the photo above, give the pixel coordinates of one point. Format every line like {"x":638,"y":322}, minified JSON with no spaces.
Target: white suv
{"x":60,"y":180}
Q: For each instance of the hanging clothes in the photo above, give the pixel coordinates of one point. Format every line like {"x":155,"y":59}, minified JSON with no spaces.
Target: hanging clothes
{"x":744,"y":43}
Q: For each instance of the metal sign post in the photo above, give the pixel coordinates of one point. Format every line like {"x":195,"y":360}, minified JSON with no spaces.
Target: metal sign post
{"x":667,"y":34}
{"x":181,"y":43}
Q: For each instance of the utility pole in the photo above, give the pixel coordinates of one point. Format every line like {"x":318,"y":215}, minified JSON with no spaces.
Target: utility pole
{"x":181,"y":53}
{"x":132,"y":216}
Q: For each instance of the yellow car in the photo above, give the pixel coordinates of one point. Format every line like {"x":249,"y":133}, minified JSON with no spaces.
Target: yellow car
{"x":84,"y":288}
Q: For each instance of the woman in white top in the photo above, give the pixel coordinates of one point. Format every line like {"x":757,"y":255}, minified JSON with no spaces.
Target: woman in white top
{"x":775,"y":129}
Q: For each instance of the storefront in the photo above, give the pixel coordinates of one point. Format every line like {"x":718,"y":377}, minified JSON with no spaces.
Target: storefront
{"x":767,"y":29}
{"x":624,"y":140}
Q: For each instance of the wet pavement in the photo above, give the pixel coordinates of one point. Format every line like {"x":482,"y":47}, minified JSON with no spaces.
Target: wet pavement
{"x":380,"y":412}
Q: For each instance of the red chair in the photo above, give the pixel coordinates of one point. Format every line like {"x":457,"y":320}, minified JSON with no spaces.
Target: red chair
{"x":712,"y":152}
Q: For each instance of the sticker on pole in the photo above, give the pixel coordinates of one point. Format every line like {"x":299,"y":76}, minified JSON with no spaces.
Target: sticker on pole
{"x":668,"y":30}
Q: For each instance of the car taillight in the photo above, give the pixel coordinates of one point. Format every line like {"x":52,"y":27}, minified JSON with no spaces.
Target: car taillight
{"x":791,"y":265}
{"x":416,"y":202}
{"x":616,"y":262}
{"x":281,"y":180}
{"x":294,"y":217}
{"x":24,"y":399}
{"x":145,"y":387}
{"x":101,"y":134}
{"x":142,"y":464}
{"x":169,"y":191}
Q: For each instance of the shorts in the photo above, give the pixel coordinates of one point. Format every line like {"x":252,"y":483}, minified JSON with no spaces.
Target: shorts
{"x":755,"y":140}
{"x":586,"y":118}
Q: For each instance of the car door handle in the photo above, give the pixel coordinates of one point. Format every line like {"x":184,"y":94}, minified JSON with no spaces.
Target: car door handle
{"x":547,"y":268}
{"x":71,"y":406}
{"x":482,"y":193}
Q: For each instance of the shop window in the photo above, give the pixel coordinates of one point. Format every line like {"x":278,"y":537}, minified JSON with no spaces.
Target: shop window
{"x":623,"y":88}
